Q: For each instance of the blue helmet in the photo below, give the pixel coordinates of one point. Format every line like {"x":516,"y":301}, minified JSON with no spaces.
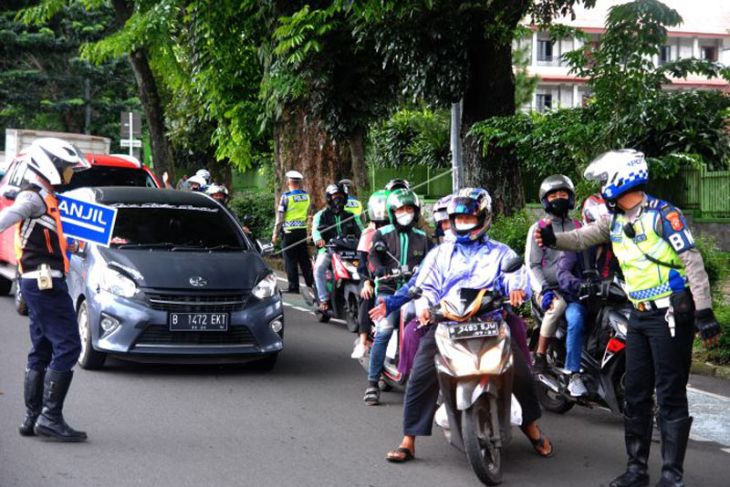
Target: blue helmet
{"x":475,"y":202}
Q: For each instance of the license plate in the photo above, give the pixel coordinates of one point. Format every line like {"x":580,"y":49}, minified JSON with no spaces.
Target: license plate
{"x":480,"y":329}
{"x":198,"y":321}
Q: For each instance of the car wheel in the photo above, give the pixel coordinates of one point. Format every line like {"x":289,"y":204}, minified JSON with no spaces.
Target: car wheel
{"x":5,"y":286}
{"x":266,"y":364}
{"x":20,"y":306}
{"x":89,"y":359}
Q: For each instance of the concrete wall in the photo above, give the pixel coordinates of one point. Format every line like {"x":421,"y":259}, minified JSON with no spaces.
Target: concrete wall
{"x":719,"y":231}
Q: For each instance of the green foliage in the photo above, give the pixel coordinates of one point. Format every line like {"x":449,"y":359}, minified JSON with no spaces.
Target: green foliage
{"x":720,"y":355}
{"x":512,"y":230}
{"x":260,"y":208}
{"x":410,"y":138}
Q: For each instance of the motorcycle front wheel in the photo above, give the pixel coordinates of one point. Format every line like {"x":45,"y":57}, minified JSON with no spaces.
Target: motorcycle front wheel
{"x":484,"y":457}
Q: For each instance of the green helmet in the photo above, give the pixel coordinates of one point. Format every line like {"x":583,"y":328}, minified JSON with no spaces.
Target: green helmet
{"x":377,"y":207}
{"x":400,"y":198}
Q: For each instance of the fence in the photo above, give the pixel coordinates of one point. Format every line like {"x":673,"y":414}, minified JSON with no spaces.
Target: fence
{"x":706,"y":194}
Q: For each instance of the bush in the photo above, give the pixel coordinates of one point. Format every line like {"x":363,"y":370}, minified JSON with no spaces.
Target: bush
{"x":512,"y":230}
{"x":260,"y":207}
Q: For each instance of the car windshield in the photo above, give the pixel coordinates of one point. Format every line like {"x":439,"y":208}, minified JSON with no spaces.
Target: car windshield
{"x":109,"y":176}
{"x":175,"y":227}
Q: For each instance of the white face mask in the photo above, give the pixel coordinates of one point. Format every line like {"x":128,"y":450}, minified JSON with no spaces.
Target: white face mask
{"x":465,"y":227}
{"x":404,"y":219}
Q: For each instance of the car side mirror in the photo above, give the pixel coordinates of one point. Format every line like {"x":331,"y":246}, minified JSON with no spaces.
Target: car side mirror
{"x":265,"y":247}
{"x":512,"y":264}
{"x":10,"y":193}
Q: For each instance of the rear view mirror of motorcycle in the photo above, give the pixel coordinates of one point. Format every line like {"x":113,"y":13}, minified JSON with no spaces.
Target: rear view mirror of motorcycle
{"x":380,"y":247}
{"x":512,"y":264}
{"x":265,"y":248}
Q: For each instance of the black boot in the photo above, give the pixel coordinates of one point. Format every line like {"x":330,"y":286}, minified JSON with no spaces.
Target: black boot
{"x":674,"y":444}
{"x":638,"y":441}
{"x":50,"y":423}
{"x":33,"y":400}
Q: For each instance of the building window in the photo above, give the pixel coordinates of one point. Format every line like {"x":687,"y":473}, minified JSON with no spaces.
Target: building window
{"x":544,"y":102}
{"x":545,"y":51}
{"x":708,"y":53}
{"x":665,"y":54}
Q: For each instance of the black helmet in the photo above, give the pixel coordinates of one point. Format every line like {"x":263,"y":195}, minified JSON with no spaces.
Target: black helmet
{"x":554,"y":183}
{"x":347,"y":183}
{"x":336,"y":197}
{"x":397,"y":183}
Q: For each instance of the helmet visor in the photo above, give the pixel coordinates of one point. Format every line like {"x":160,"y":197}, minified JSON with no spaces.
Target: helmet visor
{"x":463,"y":205}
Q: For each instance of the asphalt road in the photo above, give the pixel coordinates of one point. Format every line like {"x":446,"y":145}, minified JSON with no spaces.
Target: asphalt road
{"x":304,"y":424}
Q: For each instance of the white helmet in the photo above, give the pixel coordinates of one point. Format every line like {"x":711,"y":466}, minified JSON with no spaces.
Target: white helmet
{"x":294,"y":175}
{"x":49,"y":156}
{"x":215,"y":189}
{"x":205,"y":174}
{"x":196,"y":180}
{"x":619,"y":172}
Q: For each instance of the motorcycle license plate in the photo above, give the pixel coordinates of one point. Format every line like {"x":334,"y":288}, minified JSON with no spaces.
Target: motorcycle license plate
{"x":198,"y":321}
{"x":479,"y":329}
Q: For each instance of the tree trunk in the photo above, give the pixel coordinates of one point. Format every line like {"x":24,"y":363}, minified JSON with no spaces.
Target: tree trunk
{"x":300,"y":144}
{"x":359,"y":169}
{"x":490,"y":92}
{"x":149,"y":96}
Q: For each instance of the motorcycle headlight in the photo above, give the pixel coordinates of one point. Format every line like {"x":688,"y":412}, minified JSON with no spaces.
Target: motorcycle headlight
{"x":266,"y":287}
{"x":118,"y":284}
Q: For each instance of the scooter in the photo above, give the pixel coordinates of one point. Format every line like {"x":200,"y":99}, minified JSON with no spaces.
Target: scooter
{"x":392,"y":378}
{"x":475,"y":374}
{"x":603,"y":360}
{"x":343,"y":283}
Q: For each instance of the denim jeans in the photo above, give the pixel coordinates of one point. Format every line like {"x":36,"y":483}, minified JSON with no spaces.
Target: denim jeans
{"x":323,"y":262}
{"x":383,"y":331}
{"x":575,"y":315}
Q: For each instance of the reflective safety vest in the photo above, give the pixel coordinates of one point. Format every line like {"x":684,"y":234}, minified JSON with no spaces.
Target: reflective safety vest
{"x":40,"y":240}
{"x":353,"y":206}
{"x":646,"y":280}
{"x":297,"y":209}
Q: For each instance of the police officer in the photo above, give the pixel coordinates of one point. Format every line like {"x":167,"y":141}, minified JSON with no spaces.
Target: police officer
{"x":353,"y":205}
{"x":42,"y":265}
{"x":291,"y":218}
{"x":669,"y":289}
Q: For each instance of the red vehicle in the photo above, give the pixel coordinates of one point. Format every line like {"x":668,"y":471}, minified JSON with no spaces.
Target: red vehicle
{"x":105,"y":170}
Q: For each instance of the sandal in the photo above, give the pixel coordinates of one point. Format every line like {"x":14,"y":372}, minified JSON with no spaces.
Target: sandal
{"x":372,"y":396}
{"x":540,"y":444}
{"x":399,"y":455}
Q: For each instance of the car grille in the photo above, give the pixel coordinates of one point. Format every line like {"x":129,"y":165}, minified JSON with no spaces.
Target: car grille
{"x":161,"y":335}
{"x":206,"y":303}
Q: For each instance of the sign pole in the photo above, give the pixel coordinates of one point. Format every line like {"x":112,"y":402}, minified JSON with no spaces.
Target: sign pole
{"x":131,"y":134}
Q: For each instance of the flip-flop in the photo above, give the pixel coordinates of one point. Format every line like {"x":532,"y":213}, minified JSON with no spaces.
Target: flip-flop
{"x":539,"y":444}
{"x":399,"y":455}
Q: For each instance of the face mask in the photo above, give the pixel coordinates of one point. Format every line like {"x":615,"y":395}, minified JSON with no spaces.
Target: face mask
{"x":559,"y":206}
{"x":464,"y":227}
{"x":404,"y":219}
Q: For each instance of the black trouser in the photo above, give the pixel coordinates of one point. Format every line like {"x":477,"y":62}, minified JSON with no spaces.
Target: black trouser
{"x":656,"y":360}
{"x":419,"y":405}
{"x":364,"y":323}
{"x":297,"y":257}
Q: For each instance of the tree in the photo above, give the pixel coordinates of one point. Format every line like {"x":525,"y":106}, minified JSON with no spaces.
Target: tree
{"x":45,"y":85}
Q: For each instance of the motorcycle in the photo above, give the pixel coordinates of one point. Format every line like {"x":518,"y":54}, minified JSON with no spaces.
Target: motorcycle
{"x":343,"y":283}
{"x":475,"y":375}
{"x":392,"y":378}
{"x":603,"y":360}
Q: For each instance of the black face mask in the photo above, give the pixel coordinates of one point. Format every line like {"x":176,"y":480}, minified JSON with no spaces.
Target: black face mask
{"x":559,"y":206}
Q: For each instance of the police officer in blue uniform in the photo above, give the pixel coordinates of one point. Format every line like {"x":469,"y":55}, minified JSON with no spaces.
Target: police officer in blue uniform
{"x":42,"y":265}
{"x":291,"y":220}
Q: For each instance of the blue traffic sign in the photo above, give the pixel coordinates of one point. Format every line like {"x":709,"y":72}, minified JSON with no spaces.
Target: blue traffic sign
{"x":86,"y":221}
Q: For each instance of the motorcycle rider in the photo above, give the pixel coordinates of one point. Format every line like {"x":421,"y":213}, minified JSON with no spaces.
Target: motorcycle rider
{"x":204,"y":174}
{"x":592,"y":209}
{"x":291,"y":220}
{"x":441,"y":218}
{"x":668,"y":286}
{"x":195,"y":183}
{"x":471,"y":261}
{"x":378,"y":215}
{"x":353,"y":205}
{"x":330,"y":222}
{"x":43,"y":264}
{"x":219,"y":193}
{"x":557,"y":195}
{"x":406,"y":246}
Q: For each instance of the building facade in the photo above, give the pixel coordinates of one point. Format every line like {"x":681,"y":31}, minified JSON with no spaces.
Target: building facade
{"x":704,"y":34}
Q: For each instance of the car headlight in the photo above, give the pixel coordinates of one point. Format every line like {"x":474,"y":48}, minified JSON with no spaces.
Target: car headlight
{"x":117,"y":283}
{"x":266,"y":287}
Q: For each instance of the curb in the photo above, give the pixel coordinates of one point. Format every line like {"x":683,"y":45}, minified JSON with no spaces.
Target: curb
{"x":708,"y":369}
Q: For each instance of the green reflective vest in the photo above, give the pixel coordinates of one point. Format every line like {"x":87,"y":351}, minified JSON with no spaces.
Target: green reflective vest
{"x":645,"y":280}
{"x":297,"y":209}
{"x":353,"y":207}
